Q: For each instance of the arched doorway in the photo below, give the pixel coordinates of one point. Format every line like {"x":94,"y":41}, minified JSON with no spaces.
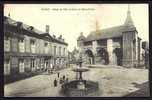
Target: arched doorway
{"x":89,"y":56}
{"x":118,"y":53}
{"x":103,"y":56}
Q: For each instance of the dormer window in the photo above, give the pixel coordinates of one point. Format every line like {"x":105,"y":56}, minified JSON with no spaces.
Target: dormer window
{"x":31,"y":28}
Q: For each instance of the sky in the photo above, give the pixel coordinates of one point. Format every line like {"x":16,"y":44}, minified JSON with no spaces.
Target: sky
{"x":69,"y":20}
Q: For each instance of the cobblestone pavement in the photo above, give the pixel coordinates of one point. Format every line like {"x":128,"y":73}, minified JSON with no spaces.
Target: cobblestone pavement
{"x":113,"y":81}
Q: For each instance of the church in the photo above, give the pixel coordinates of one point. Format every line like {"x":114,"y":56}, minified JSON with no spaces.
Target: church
{"x":119,"y":45}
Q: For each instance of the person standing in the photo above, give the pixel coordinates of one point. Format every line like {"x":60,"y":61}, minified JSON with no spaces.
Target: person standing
{"x":63,"y":78}
{"x":55,"y":83}
{"x":58,"y":74}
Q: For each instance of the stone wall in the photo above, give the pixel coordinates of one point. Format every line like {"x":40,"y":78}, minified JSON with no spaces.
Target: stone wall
{"x":128,"y":55}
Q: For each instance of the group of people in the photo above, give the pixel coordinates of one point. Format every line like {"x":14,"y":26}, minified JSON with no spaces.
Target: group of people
{"x":50,"y":69}
{"x":60,"y":80}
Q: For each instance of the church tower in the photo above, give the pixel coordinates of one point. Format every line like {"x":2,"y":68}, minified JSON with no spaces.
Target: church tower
{"x":80,"y":45}
{"x":129,"y":21}
{"x":129,"y":41}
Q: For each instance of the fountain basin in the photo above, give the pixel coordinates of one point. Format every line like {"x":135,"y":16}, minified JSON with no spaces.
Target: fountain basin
{"x":80,"y":69}
{"x":70,"y":89}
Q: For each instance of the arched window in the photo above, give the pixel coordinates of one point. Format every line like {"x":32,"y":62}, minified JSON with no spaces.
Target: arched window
{"x":103,"y":54}
{"x":118,"y":52}
{"x":90,"y":55}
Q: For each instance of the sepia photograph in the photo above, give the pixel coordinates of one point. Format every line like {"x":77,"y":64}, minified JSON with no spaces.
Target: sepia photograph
{"x":76,"y":50}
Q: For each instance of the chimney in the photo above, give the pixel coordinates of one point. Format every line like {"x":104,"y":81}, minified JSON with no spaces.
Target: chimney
{"x":54,"y":36}
{"x":31,"y":28}
{"x":19,"y":24}
{"x":47,"y":29}
{"x":61,"y":36}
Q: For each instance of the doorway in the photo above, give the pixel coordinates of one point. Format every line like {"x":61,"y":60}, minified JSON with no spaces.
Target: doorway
{"x":103,"y":56}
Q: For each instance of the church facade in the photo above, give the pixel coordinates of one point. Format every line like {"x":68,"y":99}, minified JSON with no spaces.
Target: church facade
{"x":119,"y":45}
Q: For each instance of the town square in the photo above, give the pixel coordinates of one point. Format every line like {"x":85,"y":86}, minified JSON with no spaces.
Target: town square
{"x":76,"y":50}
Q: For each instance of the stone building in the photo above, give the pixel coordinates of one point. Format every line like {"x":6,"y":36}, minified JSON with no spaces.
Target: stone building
{"x":27,"y":49}
{"x":119,"y":45}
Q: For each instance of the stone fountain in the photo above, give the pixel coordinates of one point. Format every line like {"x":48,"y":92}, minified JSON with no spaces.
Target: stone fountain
{"x":79,"y":87}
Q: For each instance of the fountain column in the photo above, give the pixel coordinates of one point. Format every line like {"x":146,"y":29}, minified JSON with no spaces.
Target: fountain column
{"x":80,"y":73}
{"x":79,"y":87}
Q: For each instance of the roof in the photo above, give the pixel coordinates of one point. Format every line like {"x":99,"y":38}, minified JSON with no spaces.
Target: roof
{"x":30,"y":30}
{"x":113,"y":31}
{"x":24,"y":26}
{"x":129,"y":21}
{"x":106,"y":33}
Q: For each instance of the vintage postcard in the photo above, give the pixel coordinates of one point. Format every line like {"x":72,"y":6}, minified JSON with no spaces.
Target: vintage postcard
{"x":76,"y":50}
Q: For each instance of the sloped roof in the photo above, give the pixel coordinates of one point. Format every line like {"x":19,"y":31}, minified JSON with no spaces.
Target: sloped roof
{"x":24,"y":26}
{"x":113,"y":31}
{"x":54,"y":39}
{"x":129,"y":21}
{"x":34,"y":31}
{"x":46,"y":35}
{"x":106,"y":33}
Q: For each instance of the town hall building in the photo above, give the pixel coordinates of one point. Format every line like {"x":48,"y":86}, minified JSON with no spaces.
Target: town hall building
{"x":29,"y":50}
{"x":119,"y":45}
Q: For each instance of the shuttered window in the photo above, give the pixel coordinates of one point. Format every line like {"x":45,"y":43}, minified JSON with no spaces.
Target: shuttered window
{"x":7,"y":67}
